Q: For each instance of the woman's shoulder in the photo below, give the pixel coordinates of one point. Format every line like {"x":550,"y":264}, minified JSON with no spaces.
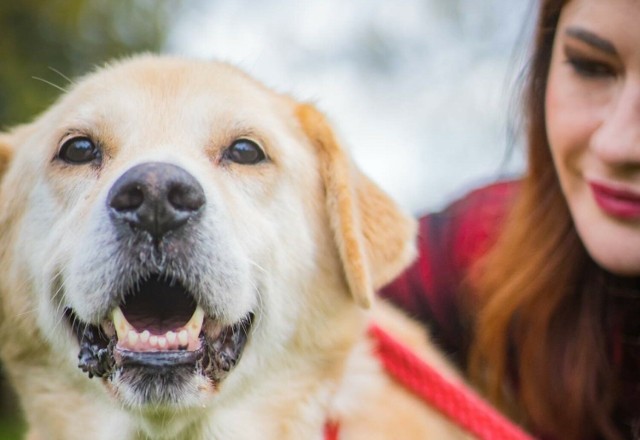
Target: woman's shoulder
{"x":487,"y":197}
{"x":471,"y":223}
{"x":449,"y":242}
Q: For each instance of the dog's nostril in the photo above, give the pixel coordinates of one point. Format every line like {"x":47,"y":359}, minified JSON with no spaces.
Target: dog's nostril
{"x":184,"y":198}
{"x":128,"y":199}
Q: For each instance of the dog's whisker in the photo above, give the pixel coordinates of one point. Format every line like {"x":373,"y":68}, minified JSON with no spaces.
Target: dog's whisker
{"x":256,"y":265}
{"x":58,"y":292}
{"x":59,"y":304}
{"x":60,"y":319}
{"x":27,"y":312}
{"x":34,"y":310}
{"x":258,"y":319}
{"x":55,"y":86}
{"x":258,"y":291}
{"x":54,"y":70}
{"x":246,"y":328}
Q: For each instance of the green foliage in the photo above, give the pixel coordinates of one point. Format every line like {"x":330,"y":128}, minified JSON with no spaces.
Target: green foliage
{"x":40,"y":38}
{"x":11,"y":429}
{"x":11,"y":421}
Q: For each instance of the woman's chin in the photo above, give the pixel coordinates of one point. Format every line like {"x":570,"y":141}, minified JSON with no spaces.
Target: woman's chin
{"x":613,"y":245}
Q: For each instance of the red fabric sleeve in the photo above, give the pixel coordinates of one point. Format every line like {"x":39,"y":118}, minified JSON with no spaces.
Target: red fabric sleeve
{"x":449,"y":242}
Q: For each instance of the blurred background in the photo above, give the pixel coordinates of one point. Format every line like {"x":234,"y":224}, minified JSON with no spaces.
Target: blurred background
{"x":423,"y":92}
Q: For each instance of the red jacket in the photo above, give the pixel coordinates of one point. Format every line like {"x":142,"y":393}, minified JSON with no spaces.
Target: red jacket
{"x":448,"y":244}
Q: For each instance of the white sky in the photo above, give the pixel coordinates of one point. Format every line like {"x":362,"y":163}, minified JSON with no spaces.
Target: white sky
{"x":419,"y":90}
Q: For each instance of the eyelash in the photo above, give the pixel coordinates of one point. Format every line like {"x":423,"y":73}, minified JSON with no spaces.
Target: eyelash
{"x":590,"y":69}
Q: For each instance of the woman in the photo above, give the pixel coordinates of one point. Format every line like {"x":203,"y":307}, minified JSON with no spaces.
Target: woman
{"x":535,"y":286}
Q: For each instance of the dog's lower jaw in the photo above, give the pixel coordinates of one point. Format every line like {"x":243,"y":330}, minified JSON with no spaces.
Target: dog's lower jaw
{"x":171,"y":389}
{"x":155,"y":379}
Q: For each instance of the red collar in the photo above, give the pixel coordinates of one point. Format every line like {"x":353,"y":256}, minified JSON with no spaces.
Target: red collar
{"x":455,"y":401}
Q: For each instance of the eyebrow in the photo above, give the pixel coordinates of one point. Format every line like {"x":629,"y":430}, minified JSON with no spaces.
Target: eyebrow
{"x":591,"y":39}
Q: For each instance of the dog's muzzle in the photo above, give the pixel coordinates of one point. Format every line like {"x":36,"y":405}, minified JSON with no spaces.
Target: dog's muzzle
{"x":156,"y":326}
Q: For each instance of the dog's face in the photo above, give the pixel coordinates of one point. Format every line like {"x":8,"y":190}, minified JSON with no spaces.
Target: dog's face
{"x":167,"y":217}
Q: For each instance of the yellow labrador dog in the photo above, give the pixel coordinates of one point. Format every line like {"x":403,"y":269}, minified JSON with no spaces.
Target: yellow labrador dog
{"x":185,"y":254}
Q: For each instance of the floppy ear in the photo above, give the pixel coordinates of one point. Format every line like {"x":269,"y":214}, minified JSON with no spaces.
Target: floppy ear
{"x":6,"y":152}
{"x":375,"y":239}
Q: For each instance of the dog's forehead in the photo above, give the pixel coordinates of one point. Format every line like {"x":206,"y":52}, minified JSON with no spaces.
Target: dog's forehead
{"x":159,"y":103}
{"x":168,"y":92}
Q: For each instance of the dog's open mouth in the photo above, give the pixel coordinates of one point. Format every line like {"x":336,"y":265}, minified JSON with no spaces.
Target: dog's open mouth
{"x":158,"y":327}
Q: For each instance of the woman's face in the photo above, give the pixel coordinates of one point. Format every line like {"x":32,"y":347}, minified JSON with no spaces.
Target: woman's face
{"x":593,"y":126}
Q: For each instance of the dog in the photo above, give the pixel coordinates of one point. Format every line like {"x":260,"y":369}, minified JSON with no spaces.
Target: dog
{"x":187,"y":254}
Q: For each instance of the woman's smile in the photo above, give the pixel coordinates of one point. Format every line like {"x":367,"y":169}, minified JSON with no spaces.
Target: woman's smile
{"x":616,"y":202}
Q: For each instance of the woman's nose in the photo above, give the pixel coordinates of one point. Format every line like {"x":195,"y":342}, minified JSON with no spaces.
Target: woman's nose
{"x":617,"y":140}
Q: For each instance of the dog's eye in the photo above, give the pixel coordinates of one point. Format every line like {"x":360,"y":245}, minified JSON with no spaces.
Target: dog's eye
{"x":79,"y":150}
{"x":245,"y":152}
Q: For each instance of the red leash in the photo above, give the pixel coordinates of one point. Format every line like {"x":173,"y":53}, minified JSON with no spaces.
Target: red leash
{"x":457,"y":402}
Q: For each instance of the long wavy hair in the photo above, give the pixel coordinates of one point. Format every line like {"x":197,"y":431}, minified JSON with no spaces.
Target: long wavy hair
{"x":542,"y":348}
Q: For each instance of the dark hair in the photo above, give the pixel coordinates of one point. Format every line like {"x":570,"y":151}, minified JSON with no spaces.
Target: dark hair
{"x":542,"y":350}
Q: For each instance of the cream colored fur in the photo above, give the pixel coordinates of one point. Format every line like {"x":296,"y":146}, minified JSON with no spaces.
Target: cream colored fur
{"x":303,"y":241}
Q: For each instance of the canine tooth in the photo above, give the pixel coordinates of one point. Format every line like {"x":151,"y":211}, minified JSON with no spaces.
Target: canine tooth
{"x":162,"y":341}
{"x":153,"y":340}
{"x":183,"y":337}
{"x":171,"y":337}
{"x":132,"y":337}
{"x":144,"y":336}
{"x":195,"y":323}
{"x":120,"y":323}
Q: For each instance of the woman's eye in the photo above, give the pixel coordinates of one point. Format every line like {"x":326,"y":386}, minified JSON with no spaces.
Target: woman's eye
{"x":590,"y":69}
{"x":79,"y":150}
{"x":244,"y":152}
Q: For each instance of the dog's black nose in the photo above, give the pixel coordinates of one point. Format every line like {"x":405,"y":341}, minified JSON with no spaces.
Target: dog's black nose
{"x":155,"y":197}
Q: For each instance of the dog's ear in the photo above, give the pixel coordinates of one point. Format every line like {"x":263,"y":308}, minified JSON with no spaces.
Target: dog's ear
{"x":6,"y":152}
{"x":375,"y":239}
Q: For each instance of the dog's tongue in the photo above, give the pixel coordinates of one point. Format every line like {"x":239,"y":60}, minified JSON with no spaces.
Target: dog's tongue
{"x":158,"y":337}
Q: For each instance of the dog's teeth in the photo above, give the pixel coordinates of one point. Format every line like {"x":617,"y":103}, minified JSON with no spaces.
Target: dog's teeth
{"x":194,"y":326}
{"x":120,"y":323}
{"x":183,"y":338}
{"x":132,"y":338}
{"x":195,"y":323}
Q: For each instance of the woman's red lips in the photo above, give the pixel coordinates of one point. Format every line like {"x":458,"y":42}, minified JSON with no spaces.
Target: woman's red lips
{"x":616,"y":202}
